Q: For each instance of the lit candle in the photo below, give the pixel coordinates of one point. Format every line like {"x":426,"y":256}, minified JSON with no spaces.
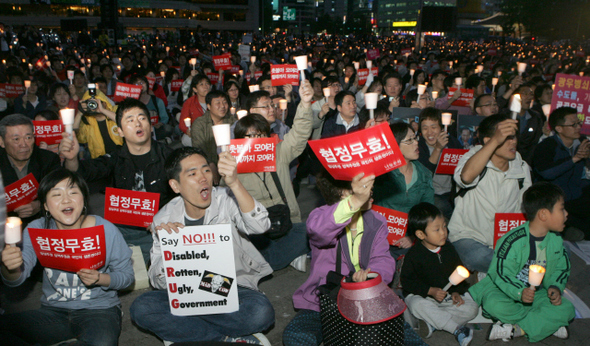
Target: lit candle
{"x":460,"y":274}
{"x":546,"y":110}
{"x":369,"y":64}
{"x":459,"y":81}
{"x":371,"y":103}
{"x":242,"y":113}
{"x":254,"y":88}
{"x":193,"y":62}
{"x":434,"y":95}
{"x":515,"y":106}
{"x":71,"y":76}
{"x":521,"y":68}
{"x":327,"y":92}
{"x":232,"y":110}
{"x":412,"y":71}
{"x":446,"y":119}
{"x":253,"y":59}
{"x":187,"y":122}
{"x":356,"y":65}
{"x":67,"y":117}
{"x":301,"y":62}
{"x":536,"y":274}
{"x":421,"y":89}
{"x":12,"y":230}
{"x":222,"y":136}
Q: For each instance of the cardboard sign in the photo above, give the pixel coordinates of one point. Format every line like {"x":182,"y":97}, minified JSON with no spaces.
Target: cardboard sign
{"x":363,"y":73}
{"x":372,"y":151}
{"x":372,"y":54}
{"x":448,"y":160}
{"x":213,"y":77}
{"x":465,"y":98}
{"x":176,"y":84}
{"x":70,"y":249}
{"x":48,"y":131}
{"x":151,"y":82}
{"x":132,"y":208}
{"x":123,"y":91}
{"x":222,"y":61}
{"x":21,"y":192}
{"x":504,"y":222}
{"x":255,"y":154}
{"x":397,"y":223}
{"x":200,"y":270}
{"x":573,"y":91}
{"x":284,"y":74}
{"x":12,"y":91}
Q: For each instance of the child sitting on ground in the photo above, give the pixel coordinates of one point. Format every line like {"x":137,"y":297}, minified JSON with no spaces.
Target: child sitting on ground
{"x":426,"y":270}
{"x":505,"y":293}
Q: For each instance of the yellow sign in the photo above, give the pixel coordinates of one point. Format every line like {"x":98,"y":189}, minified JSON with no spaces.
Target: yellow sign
{"x":404,"y":24}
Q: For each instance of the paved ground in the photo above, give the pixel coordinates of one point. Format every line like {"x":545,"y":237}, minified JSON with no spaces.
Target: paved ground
{"x":281,"y":285}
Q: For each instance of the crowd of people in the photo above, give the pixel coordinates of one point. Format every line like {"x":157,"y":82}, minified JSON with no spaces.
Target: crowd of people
{"x":163,"y":142}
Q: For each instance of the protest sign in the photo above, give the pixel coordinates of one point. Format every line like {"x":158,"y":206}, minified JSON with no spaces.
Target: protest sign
{"x":151,"y":82}
{"x":12,"y":91}
{"x":363,"y":73}
{"x":213,"y":77}
{"x":176,"y":84}
{"x":200,"y":270}
{"x":244,"y":51}
{"x":284,"y":74}
{"x":405,"y":51}
{"x":21,"y":192}
{"x":234,"y":69}
{"x":464,"y":100}
{"x":123,"y":91}
{"x":573,"y":91}
{"x":154,"y":119}
{"x":41,"y":64}
{"x":132,"y":208}
{"x":448,"y":160}
{"x":372,"y":54}
{"x":48,"y":132}
{"x":397,"y":223}
{"x":370,"y":151}
{"x":70,"y":249}
{"x":257,"y":75}
{"x":222,"y":61}
{"x":504,"y":222}
{"x":255,"y":154}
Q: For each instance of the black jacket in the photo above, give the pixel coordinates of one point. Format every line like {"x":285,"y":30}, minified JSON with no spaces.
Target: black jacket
{"x":528,"y":140}
{"x":331,"y":129}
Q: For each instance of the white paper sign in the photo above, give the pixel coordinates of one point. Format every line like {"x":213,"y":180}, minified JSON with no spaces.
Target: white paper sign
{"x":244,"y":51}
{"x":200,"y":270}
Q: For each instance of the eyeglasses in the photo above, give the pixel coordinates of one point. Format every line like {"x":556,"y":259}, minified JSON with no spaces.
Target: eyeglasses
{"x":488,"y":105}
{"x":577,"y":124}
{"x":267,"y":106}
{"x":409,"y":141}
{"x":254,"y":135}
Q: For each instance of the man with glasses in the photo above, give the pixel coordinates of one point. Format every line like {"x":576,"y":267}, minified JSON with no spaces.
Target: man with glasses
{"x":346,"y":119}
{"x":562,"y":159}
{"x":485,"y":105}
{"x":259,"y":102}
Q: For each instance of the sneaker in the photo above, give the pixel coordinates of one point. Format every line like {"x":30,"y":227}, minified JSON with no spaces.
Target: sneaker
{"x":300,"y":263}
{"x":562,"y":333}
{"x":464,"y":335}
{"x":254,"y":339}
{"x":500,"y":331}
{"x":431,"y":330}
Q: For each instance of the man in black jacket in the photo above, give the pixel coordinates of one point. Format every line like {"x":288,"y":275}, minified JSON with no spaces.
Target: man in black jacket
{"x":20,"y":156}
{"x":138,"y":165}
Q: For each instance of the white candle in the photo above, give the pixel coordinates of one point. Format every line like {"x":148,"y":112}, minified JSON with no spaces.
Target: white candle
{"x":327,"y":92}
{"x":67,"y":117}
{"x":434,"y":95}
{"x":369,"y":64}
{"x":479,"y":69}
{"x":283,"y":104}
{"x":253,"y":59}
{"x":193,"y":62}
{"x":536,"y":274}
{"x":301,"y":62}
{"x":494,"y":81}
{"x":546,"y":110}
{"x":12,"y":230}
{"x":232,"y":110}
{"x":521,"y":68}
{"x":446,"y":119}
{"x":254,"y":88}
{"x":459,"y":274}
{"x":459,"y":81}
{"x":162,"y":74}
{"x":421,"y":89}
{"x":71,"y":75}
{"x":222,"y":135}
{"x":371,"y":103}
{"x":515,"y":106}
{"x":187,"y":122}
{"x":356,"y":65}
{"x":242,"y":114}
{"x":412,"y":71}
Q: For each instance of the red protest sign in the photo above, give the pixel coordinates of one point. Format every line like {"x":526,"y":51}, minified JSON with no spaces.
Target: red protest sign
{"x":573,"y":91}
{"x":448,"y":160}
{"x":21,"y":192}
{"x":41,"y":64}
{"x":504,"y":222}
{"x":370,"y":151}
{"x":255,"y":154}
{"x":222,"y":61}
{"x":48,"y":131}
{"x":372,"y":54}
{"x":492,"y":51}
{"x":13,"y":90}
{"x":123,"y":91}
{"x":159,"y":80}
{"x":213,"y":77}
{"x":154,"y":119}
{"x":465,"y":98}
{"x":2,"y":90}
{"x":176,"y":84}
{"x":132,"y":208}
{"x":405,"y":51}
{"x":284,"y":74}
{"x":70,"y":249}
{"x":257,"y":75}
{"x":363,"y":73}
{"x":151,"y":82}
{"x":234,"y":69}
{"x":397,"y":223}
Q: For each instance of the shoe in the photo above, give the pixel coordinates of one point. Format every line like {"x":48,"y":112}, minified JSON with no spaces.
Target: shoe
{"x":464,"y":335}
{"x":572,"y":234}
{"x":431,"y":330}
{"x":254,"y":339}
{"x":562,"y":333}
{"x":500,"y":331}
{"x":300,"y":263}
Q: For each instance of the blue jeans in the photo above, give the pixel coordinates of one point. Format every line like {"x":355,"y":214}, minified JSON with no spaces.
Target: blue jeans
{"x":475,"y":255}
{"x":140,"y":237}
{"x":48,"y":325}
{"x":151,"y":311}
{"x":280,"y":252}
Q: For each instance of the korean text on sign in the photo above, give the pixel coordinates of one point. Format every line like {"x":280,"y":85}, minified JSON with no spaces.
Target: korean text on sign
{"x":69,"y":249}
{"x":573,"y":91}
{"x":123,"y":91}
{"x":132,"y":208}
{"x":284,"y":74}
{"x":370,"y":151}
{"x":397,"y":223}
{"x":255,"y":154}
{"x":21,"y":192}
{"x":363,"y":73}
{"x":449,"y":159}
{"x":222,"y":61}
{"x":504,"y":222}
{"x":464,"y":100}
{"x":176,"y":84}
{"x":48,"y":132}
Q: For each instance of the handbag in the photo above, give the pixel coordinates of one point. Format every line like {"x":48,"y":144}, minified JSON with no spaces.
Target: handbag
{"x":279,"y":214}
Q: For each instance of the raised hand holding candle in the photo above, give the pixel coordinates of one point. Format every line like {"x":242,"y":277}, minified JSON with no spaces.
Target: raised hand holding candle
{"x":193,"y":62}
{"x":12,"y":230}
{"x":521,"y":68}
{"x":371,"y":103}
{"x":515,"y":106}
{"x":222,"y":136}
{"x":27,"y":86}
{"x":460,"y":274}
{"x":446,"y":119}
{"x":536,"y":274}
{"x":67,"y":117}
{"x":242,"y":114}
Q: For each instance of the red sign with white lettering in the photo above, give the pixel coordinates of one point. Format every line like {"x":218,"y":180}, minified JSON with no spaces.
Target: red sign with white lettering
{"x":372,"y":151}
{"x":363,"y":73}
{"x":21,"y":192}
{"x":448,"y":160}
{"x":372,"y":54}
{"x":465,"y":98}
{"x":505,"y":222}
{"x":257,"y":75}
{"x":284,"y":74}
{"x":255,"y":154}
{"x":132,"y":208}
{"x":123,"y":91}
{"x":154,"y":119}
{"x":70,"y":249}
{"x":405,"y":51}
{"x":213,"y":77}
{"x":573,"y":91}
{"x":397,"y":223}
{"x":176,"y":84}
{"x":222,"y":61}
{"x":48,"y":131}
{"x":12,"y":90}
{"x":151,"y":82}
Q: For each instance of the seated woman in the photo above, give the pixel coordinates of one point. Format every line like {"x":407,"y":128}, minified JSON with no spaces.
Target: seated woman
{"x":82,"y":305}
{"x":347,"y":218}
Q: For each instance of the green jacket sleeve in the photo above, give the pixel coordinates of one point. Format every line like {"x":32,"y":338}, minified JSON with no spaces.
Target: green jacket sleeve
{"x":508,"y":261}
